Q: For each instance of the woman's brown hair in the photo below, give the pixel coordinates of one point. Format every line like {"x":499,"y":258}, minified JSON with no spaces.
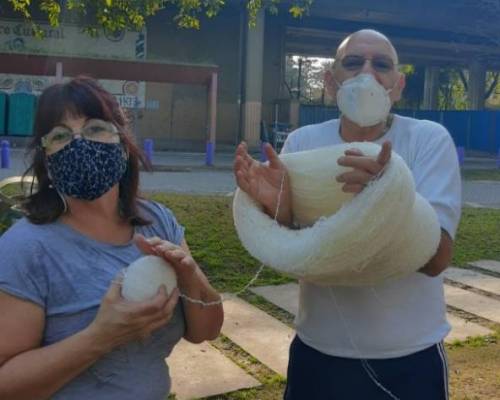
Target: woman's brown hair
{"x":81,"y":96}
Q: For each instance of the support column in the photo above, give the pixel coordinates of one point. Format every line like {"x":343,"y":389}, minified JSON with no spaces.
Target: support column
{"x":212,"y":119}
{"x":477,"y":85}
{"x":431,"y":86}
{"x":59,"y":72}
{"x":252,"y":108}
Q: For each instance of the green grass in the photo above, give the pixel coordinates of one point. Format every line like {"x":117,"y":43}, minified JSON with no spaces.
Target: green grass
{"x":478,"y":236}
{"x":6,"y":214}
{"x":481,"y":174}
{"x":214,"y":243}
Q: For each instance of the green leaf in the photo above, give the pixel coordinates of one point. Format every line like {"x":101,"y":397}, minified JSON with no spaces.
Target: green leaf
{"x":95,"y":15}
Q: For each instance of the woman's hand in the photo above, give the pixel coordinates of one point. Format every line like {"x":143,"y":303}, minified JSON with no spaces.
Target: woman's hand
{"x":202,"y":322}
{"x":365,"y":168}
{"x":119,"y":321}
{"x":181,"y":260}
{"x":262,"y":182}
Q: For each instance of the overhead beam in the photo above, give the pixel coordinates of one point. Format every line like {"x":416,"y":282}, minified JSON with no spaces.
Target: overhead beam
{"x":308,"y":34}
{"x":107,"y":69}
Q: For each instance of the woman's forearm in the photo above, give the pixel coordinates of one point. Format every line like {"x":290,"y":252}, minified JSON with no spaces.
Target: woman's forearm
{"x":203,"y":321}
{"x":39,"y":373}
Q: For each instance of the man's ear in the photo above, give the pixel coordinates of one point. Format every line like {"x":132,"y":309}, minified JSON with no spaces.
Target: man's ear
{"x":398,"y":90}
{"x":330,"y":84}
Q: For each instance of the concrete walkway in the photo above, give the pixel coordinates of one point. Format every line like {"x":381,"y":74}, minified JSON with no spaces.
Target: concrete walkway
{"x":487,"y":265}
{"x":200,"y":370}
{"x":286,"y":297}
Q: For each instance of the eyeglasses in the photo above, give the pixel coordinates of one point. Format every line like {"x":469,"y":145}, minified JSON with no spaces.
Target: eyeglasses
{"x":381,"y":64}
{"x":95,"y":130}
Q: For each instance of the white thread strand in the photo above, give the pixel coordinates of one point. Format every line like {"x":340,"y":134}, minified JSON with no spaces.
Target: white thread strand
{"x":254,"y":278}
{"x":365,"y":364}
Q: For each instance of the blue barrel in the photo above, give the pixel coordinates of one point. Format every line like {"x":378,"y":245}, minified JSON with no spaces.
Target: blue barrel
{"x":21,"y":114}
{"x":3,"y":113}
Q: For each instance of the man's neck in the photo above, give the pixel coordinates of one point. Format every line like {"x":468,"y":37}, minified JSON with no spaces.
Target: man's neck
{"x":350,"y":132}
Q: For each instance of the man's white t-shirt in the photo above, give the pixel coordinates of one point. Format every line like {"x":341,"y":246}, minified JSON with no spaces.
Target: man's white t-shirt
{"x":399,"y":317}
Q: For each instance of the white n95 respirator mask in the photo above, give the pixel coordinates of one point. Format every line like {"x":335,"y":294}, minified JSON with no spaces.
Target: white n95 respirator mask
{"x":363,"y":100}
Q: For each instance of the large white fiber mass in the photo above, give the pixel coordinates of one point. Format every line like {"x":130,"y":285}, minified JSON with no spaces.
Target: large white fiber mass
{"x":386,"y":231}
{"x":144,"y":277}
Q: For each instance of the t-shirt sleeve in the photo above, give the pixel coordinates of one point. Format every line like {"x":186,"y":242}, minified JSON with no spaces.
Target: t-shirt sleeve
{"x":291,"y":143}
{"x":166,"y":223}
{"x":437,"y":177}
{"x":21,"y":274}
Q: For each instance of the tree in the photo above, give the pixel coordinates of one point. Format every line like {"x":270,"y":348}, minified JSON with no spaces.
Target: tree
{"x":117,"y":15}
{"x":483,"y":17}
{"x":304,"y":78}
{"x":413,"y":93}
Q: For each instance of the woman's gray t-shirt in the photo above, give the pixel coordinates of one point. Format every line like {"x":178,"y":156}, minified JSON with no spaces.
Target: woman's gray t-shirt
{"x":68,"y":274}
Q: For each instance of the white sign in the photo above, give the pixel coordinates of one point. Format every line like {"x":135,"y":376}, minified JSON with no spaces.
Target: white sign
{"x":130,"y":94}
{"x":70,"y":40}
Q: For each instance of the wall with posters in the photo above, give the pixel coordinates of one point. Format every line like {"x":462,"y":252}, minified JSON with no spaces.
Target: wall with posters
{"x":69,"y":40}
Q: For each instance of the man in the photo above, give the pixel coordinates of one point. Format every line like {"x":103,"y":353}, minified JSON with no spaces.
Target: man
{"x":383,"y":342}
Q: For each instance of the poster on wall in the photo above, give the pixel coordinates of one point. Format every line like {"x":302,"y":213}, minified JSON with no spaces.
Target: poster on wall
{"x":130,"y":94}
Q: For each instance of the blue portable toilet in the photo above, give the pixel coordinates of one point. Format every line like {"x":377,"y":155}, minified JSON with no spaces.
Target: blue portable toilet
{"x":21,"y":114}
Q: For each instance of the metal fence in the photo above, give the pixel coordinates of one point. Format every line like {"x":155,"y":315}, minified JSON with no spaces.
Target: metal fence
{"x":473,"y":130}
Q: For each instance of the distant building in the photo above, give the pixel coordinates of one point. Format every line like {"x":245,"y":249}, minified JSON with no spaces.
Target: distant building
{"x":250,"y":61}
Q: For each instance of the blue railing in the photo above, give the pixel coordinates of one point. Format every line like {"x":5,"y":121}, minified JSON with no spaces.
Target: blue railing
{"x":473,"y":130}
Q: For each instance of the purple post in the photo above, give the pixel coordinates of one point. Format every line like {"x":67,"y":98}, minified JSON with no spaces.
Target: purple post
{"x":148,"y":150}
{"x":209,"y":156}
{"x":5,"y":154}
{"x":263,"y":156}
{"x":461,"y":155}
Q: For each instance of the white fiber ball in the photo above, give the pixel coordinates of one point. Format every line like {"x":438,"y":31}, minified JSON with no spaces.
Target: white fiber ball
{"x":144,"y":277}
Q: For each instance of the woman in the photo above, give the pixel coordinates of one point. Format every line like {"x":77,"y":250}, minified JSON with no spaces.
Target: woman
{"x":65,"y":330}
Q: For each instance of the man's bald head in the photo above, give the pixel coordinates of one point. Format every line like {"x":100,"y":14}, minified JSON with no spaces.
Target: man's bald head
{"x":368,"y":36}
{"x":363,"y":45}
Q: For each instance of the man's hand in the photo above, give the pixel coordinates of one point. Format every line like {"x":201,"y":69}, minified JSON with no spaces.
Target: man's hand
{"x":365,"y":168}
{"x":262,"y":182}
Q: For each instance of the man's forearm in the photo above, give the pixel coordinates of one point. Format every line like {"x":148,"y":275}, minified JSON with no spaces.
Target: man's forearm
{"x":441,"y":260}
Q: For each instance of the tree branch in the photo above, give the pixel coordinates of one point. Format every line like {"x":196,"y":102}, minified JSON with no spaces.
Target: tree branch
{"x":492,"y":86}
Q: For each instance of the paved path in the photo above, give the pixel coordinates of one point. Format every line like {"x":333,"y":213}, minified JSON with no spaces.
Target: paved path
{"x":488,"y":265}
{"x":201,"y":371}
{"x":186,"y":173}
{"x":259,"y":334}
{"x":473,"y":303}
{"x":286,"y":297}
{"x":482,"y":193}
{"x":474,"y":279}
